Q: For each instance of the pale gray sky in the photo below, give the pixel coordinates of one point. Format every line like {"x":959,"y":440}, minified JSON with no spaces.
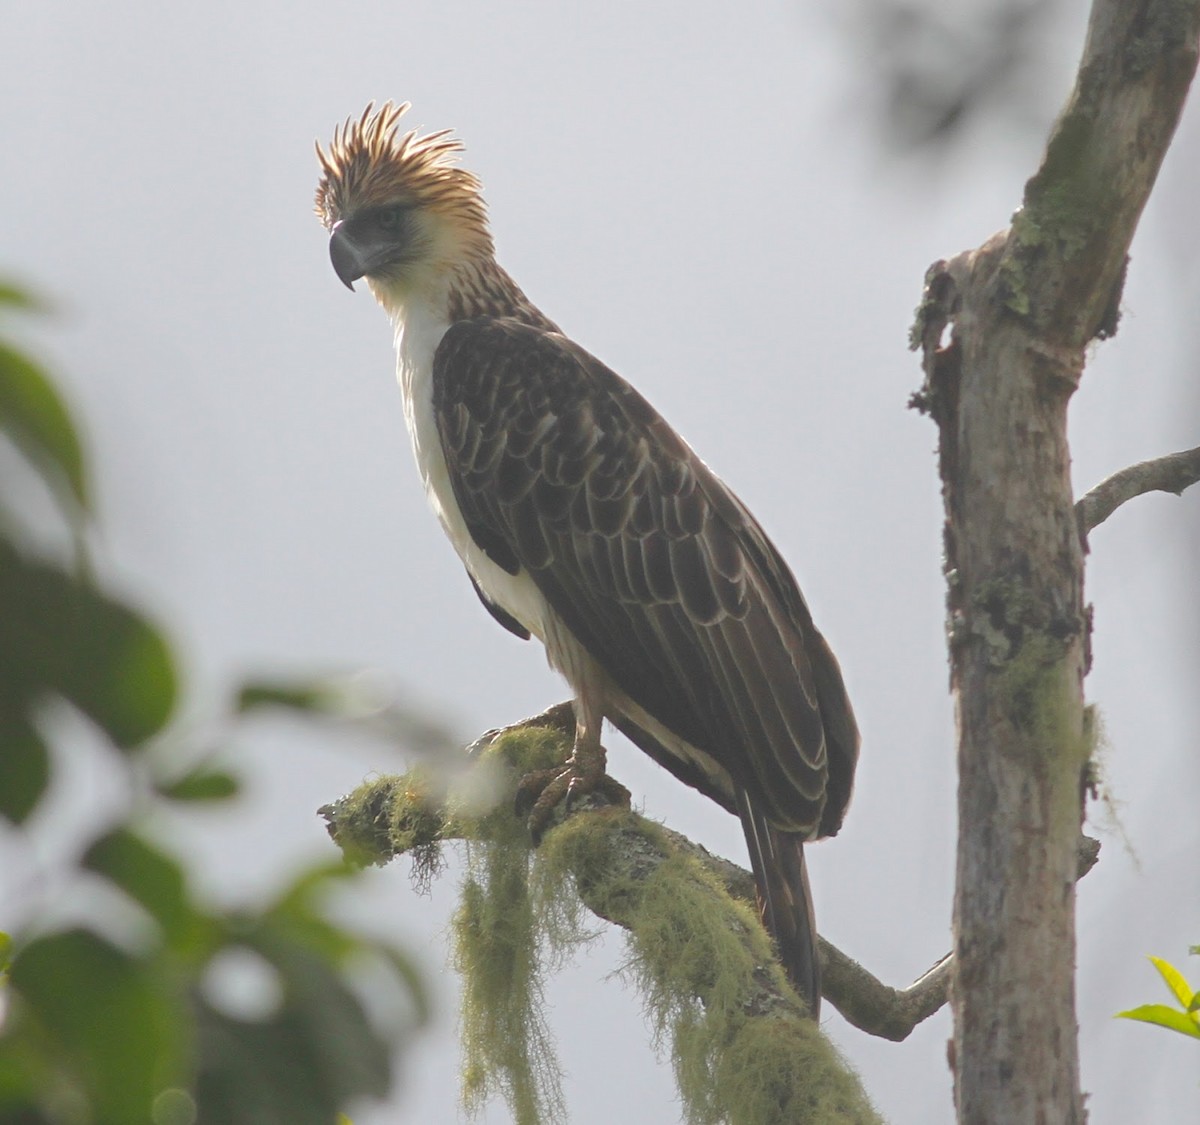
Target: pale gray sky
{"x":696,"y":193}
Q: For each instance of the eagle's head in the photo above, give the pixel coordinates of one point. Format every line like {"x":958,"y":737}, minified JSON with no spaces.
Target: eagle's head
{"x":400,"y":211}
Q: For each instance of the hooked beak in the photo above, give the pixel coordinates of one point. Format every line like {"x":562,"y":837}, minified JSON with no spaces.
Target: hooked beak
{"x":350,"y":260}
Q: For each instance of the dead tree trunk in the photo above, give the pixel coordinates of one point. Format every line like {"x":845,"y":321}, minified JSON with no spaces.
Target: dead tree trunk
{"x":1021,"y":311}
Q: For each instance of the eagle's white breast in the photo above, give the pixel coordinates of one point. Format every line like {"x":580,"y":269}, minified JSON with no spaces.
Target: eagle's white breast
{"x":418,"y":333}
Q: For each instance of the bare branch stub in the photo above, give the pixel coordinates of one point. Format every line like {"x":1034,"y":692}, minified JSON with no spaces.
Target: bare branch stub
{"x":1173,"y":473}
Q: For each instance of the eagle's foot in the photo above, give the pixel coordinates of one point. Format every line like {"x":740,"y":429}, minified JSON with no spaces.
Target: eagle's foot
{"x":559,"y":717}
{"x":539,"y":793}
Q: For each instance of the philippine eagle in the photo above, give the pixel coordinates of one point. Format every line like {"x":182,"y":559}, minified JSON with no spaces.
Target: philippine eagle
{"x":586,"y":521}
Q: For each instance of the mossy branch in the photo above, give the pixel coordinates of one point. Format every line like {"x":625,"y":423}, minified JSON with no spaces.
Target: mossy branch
{"x":1064,"y":265}
{"x":742,"y":1047}
{"x":408,"y":814}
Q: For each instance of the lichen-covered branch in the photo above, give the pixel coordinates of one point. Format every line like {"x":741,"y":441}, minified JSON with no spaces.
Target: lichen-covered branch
{"x":865,"y":1001}
{"x":393,"y":816}
{"x":1173,"y":473}
{"x":743,"y":1048}
{"x":1067,"y":251}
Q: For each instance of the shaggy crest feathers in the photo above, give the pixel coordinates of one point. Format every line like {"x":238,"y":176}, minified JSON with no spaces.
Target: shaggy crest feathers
{"x":370,"y":163}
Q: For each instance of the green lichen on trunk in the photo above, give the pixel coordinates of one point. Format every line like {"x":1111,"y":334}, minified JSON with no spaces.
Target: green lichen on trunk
{"x":1060,"y":218}
{"x":1041,"y":704}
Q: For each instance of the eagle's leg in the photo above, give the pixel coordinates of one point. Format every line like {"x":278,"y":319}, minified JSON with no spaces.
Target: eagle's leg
{"x":583,"y":772}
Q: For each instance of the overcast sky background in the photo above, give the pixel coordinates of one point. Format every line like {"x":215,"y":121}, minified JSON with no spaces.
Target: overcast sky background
{"x":699,"y":194}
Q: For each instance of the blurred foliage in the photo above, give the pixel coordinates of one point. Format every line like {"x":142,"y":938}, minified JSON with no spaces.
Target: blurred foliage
{"x":1186,"y":1018}
{"x":96,"y":1025}
{"x":359,"y":700}
{"x":937,"y":68}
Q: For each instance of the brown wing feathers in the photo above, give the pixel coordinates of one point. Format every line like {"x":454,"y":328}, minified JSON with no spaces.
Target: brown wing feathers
{"x":560,"y":467}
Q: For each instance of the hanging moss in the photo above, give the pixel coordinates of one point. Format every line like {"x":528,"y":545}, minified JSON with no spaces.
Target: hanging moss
{"x":505,"y":942}
{"x":742,"y":1050}
{"x":774,"y":1071}
{"x":507,"y":1047}
{"x":700,"y":960}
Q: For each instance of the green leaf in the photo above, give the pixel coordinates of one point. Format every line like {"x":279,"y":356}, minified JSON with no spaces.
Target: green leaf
{"x":18,"y":1089}
{"x":299,"y":1066}
{"x":340,"y":1039}
{"x":297,"y":911}
{"x":59,"y":634}
{"x":108,"y":1020}
{"x":26,"y":767}
{"x":1164,"y":1016}
{"x":122,"y":673}
{"x":37,"y":419}
{"x":312,"y":696}
{"x":202,"y":785}
{"x":174,"y":1106}
{"x":1179,"y":987}
{"x":149,"y":877}
{"x":19,"y":298}
{"x":302,"y":895}
{"x":406,"y":971}
{"x":5,"y":949}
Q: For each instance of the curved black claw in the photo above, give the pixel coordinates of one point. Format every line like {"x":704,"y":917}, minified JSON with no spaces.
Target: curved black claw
{"x":531,"y":787}
{"x":540,"y":793}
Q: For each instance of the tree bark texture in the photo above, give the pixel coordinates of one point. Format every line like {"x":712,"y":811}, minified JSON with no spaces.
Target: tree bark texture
{"x":1021,"y":311}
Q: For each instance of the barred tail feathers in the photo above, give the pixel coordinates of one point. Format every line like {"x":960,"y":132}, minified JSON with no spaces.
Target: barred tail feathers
{"x":784,"y":899}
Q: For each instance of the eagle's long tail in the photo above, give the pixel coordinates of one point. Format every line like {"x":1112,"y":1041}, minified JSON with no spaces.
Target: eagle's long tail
{"x":784,"y":898}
